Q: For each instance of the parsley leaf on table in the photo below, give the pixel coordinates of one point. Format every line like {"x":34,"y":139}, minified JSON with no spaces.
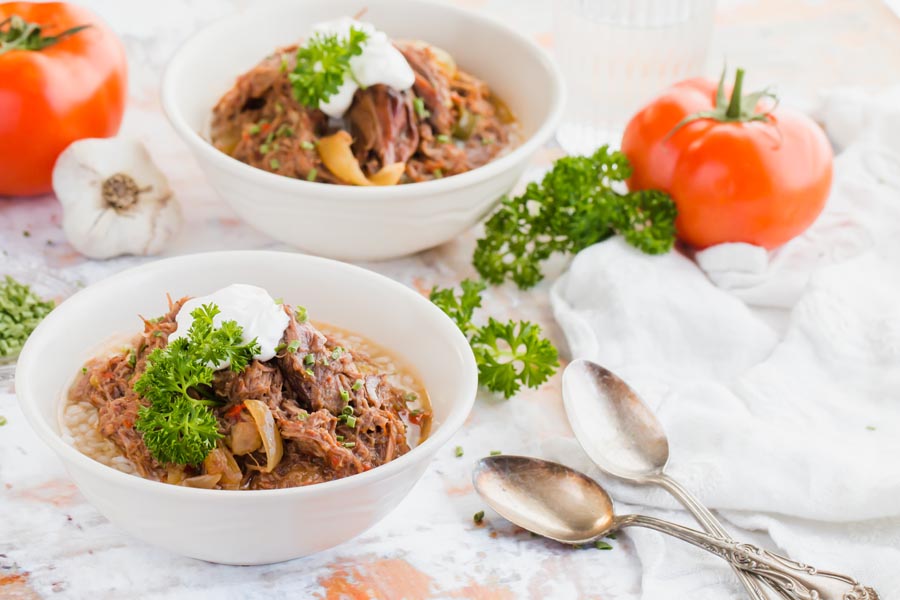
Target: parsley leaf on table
{"x":509,"y":355}
{"x":574,"y":206}
{"x":177,"y":424}
{"x":322,"y":65}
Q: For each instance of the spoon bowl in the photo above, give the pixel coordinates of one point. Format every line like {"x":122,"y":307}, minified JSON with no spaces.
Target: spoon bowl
{"x":614,"y":426}
{"x":545,"y":497}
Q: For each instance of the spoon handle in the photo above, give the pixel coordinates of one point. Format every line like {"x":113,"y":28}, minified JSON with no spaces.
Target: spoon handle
{"x":756,"y":586}
{"x":796,"y":580}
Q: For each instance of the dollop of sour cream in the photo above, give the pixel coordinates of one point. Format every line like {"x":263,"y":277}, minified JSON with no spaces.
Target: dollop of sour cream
{"x":250,"y":306}
{"x":380,"y":62}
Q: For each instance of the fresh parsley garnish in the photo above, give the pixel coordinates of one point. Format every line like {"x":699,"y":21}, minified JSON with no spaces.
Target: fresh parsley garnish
{"x":574,"y":206}
{"x":178,"y":425}
{"x":509,"y":355}
{"x":20,"y":312}
{"x":322,"y":65}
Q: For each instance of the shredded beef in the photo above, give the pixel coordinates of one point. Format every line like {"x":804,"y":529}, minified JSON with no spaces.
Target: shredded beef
{"x":458,"y":126}
{"x":309,"y":392}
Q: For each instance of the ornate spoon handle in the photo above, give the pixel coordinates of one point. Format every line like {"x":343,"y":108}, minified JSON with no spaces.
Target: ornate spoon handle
{"x":756,"y":586}
{"x":796,"y":580}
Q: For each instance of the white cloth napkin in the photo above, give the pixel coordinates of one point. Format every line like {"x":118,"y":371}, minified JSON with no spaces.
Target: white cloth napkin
{"x":776,"y":375}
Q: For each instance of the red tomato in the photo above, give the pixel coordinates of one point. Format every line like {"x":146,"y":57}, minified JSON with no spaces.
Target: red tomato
{"x":735,"y":173}
{"x":58,"y":84}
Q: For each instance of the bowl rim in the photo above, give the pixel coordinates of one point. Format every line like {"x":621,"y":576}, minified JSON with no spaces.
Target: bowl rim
{"x":336,"y":192}
{"x":28,"y":364}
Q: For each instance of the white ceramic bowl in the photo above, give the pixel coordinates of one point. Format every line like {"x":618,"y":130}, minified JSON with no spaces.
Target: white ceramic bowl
{"x":353,"y":223}
{"x":248,"y":527}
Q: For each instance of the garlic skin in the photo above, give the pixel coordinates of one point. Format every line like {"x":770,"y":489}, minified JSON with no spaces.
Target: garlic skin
{"x":115,"y":200}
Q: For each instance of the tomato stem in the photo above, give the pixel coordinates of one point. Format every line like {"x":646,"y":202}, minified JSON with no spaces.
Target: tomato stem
{"x":734,"y":105}
{"x":18,"y":34}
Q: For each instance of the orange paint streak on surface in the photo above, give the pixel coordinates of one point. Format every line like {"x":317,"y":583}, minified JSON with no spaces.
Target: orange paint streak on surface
{"x":375,"y":578}
{"x":473,"y":591}
{"x":57,"y":492}
{"x":15,"y":587}
{"x":459,"y":490}
{"x":379,"y":579}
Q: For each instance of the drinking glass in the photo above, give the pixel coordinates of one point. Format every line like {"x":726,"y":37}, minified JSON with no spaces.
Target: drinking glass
{"x":616,"y":55}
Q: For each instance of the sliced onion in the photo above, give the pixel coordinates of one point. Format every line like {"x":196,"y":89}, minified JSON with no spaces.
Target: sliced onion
{"x":221,"y":462}
{"x":206,"y":482}
{"x":336,"y":152}
{"x":174,"y":474}
{"x":271,"y":437}
{"x":389,"y":174}
{"x":337,"y":155}
{"x":244,"y":438}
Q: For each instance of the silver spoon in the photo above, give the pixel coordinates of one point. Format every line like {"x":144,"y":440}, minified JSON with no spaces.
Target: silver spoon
{"x":623,"y":437}
{"x":560,"y":503}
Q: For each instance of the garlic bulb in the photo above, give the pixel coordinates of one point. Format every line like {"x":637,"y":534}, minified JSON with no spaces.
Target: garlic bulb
{"x":115,"y":200}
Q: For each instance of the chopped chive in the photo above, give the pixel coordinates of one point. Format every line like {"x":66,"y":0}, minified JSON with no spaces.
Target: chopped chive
{"x":339,"y":438}
{"x":310,"y":373}
{"x":279,"y":300}
{"x":419,"y":106}
{"x":309,"y":359}
{"x":351,"y":421}
{"x":478,"y":517}
{"x":132,"y":358}
{"x":336,"y":353}
{"x":345,"y":395}
{"x":416,"y":412}
{"x":283,"y":67}
{"x":458,"y":452}
{"x":325,"y":360}
{"x":307,"y":145}
{"x":611,"y":536}
{"x":270,"y":137}
{"x":438,"y":174}
{"x":253,"y":129}
{"x":84,"y":370}
{"x":155,"y":320}
{"x":264,"y":148}
{"x":443,"y":138}
{"x":410,"y":397}
{"x":3,"y":421}
{"x":349,"y":444}
{"x":870,"y":427}
{"x":311,"y":176}
{"x":301,"y":314}
{"x":285,"y":131}
{"x":158,"y":334}
{"x":347,"y":410}
{"x":487,"y":141}
{"x":275,"y":147}
{"x":600,"y":545}
{"x":280,"y":347}
{"x":496,"y":453}
{"x":303,"y":416}
{"x":292,"y":347}
{"x":357,"y":385}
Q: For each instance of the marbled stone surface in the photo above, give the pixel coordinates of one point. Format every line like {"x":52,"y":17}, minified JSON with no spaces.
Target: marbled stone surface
{"x":54,"y":544}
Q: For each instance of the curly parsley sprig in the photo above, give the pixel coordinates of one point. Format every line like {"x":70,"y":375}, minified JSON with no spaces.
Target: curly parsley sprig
{"x":177,"y":424}
{"x":573,"y":207}
{"x":322,"y":65}
{"x":509,"y":354}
